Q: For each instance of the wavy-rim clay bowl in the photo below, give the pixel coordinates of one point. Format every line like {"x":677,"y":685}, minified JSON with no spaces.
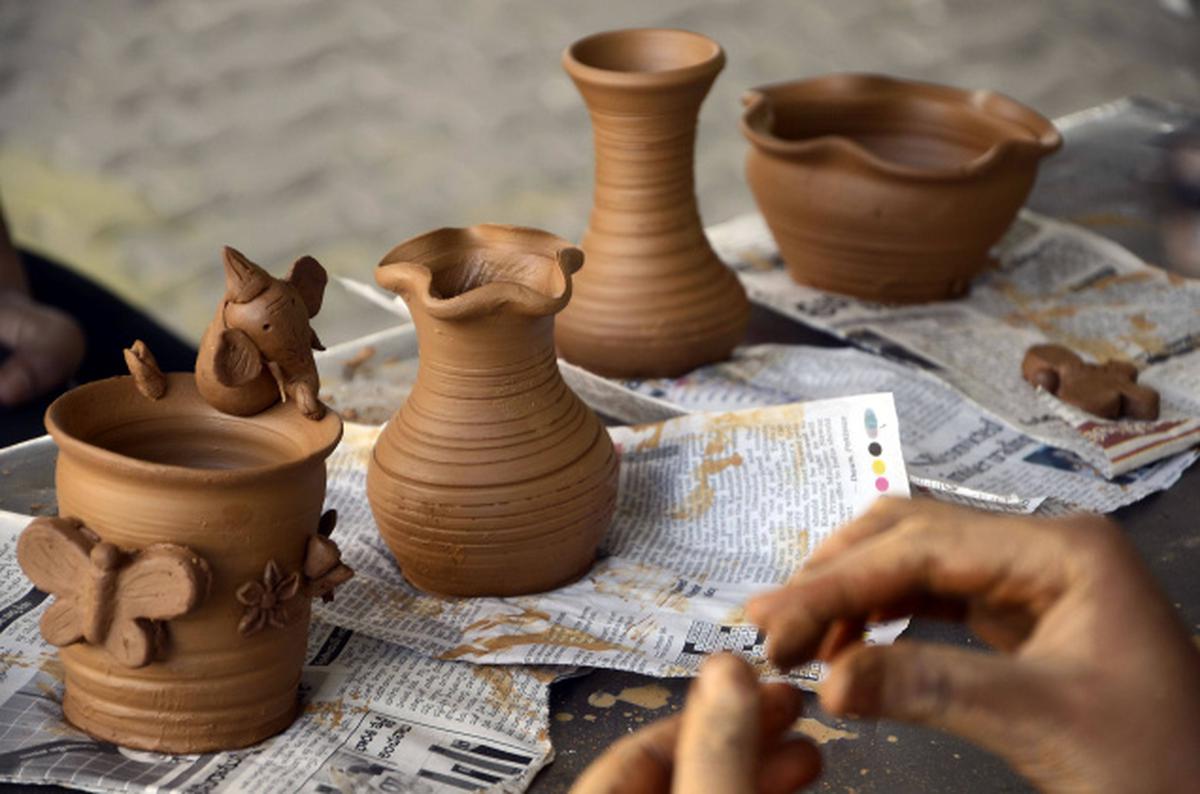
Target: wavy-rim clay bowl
{"x":887,"y":189}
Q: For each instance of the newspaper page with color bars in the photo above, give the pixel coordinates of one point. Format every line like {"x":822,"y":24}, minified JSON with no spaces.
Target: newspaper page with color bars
{"x":713,"y":508}
{"x":954,"y":450}
{"x":408,"y":690}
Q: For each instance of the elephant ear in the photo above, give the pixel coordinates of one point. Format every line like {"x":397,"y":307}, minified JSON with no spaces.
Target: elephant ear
{"x":309,"y":279}
{"x":244,"y":280}
{"x":237,"y":361}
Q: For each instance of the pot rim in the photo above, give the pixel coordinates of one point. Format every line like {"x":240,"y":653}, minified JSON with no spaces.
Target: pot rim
{"x":403,"y":270}
{"x":1043,"y":137}
{"x":639,"y":78}
{"x":181,"y":388}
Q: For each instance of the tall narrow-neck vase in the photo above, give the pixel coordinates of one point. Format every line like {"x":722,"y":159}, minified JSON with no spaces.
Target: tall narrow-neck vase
{"x":655,"y":300}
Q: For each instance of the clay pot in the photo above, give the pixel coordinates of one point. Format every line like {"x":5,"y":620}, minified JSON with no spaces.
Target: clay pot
{"x":234,"y":494}
{"x":887,"y":189}
{"x":654,"y":300}
{"x":493,"y":478}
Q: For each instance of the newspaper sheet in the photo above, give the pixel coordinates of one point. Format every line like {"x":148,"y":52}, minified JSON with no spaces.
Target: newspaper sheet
{"x":956,"y":450}
{"x":376,"y":717}
{"x":713,"y":508}
{"x":952,"y":448}
{"x":1053,"y":283}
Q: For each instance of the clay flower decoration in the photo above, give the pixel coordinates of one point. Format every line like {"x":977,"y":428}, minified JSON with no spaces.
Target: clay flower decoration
{"x":266,"y":601}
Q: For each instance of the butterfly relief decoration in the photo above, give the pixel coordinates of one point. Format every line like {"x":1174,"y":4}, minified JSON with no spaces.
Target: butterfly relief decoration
{"x":107,"y":597}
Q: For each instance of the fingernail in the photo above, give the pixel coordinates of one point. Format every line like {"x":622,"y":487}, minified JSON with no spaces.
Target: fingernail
{"x":724,"y":674}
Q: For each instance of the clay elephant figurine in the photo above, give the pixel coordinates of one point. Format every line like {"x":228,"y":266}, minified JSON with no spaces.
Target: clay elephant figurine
{"x":258,"y":348}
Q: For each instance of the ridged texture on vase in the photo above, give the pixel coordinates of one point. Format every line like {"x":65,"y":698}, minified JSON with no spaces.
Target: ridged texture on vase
{"x":493,"y":478}
{"x":654,"y":299}
{"x":885,"y":189}
{"x":238,"y":492}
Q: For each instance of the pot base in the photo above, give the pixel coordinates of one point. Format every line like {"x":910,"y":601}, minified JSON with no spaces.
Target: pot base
{"x":437,"y":587}
{"x":181,"y":735}
{"x":663,"y":358}
{"x":819,"y":270}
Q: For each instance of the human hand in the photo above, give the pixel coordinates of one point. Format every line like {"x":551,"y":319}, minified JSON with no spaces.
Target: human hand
{"x":730,"y":738}
{"x":1096,"y":688}
{"x":45,"y":348}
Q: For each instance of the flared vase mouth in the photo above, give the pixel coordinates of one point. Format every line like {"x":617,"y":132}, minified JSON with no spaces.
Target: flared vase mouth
{"x":899,"y":128}
{"x":649,"y":57}
{"x":181,"y":439}
{"x":462,"y":273}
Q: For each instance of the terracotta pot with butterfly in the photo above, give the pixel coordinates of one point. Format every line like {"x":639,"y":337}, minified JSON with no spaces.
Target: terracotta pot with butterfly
{"x":188,"y":547}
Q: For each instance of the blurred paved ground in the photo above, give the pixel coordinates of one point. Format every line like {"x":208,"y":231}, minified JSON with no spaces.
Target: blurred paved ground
{"x":137,"y":137}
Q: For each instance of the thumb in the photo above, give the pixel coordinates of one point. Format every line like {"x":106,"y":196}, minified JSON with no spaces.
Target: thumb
{"x":996,"y":702}
{"x":719,"y":737}
{"x":18,"y":383}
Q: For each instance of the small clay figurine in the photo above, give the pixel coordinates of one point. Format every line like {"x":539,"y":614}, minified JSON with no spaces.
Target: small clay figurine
{"x":105,"y":596}
{"x":1107,"y":390}
{"x":147,"y":376}
{"x":258,"y":348}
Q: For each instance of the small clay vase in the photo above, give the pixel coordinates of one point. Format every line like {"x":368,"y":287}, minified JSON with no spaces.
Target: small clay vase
{"x":885,"y":189}
{"x":172,"y":509}
{"x":493,"y":478}
{"x":654,"y":300}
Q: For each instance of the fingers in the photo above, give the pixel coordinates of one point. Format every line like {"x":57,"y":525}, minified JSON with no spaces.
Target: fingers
{"x":719,"y":738}
{"x":945,"y":553}
{"x":783,"y":767}
{"x":879,"y":517}
{"x":789,"y":766}
{"x":995,"y":701}
{"x":640,"y":763}
{"x":731,"y":719}
{"x":780,"y":706}
{"x":47,"y":346}
{"x":17,"y":383}
{"x":841,"y":633}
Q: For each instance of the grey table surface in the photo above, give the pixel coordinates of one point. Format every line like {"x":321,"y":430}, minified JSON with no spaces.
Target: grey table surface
{"x":1110,"y":178}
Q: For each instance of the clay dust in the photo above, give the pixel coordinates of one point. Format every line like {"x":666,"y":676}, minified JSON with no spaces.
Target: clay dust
{"x":331,"y":713}
{"x":800,"y":539}
{"x":652,"y":441}
{"x":651,"y":697}
{"x":503,"y":695}
{"x":1046,"y":319}
{"x":554,"y":635}
{"x":629,"y":587}
{"x":821,"y":733}
{"x":700,"y":500}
